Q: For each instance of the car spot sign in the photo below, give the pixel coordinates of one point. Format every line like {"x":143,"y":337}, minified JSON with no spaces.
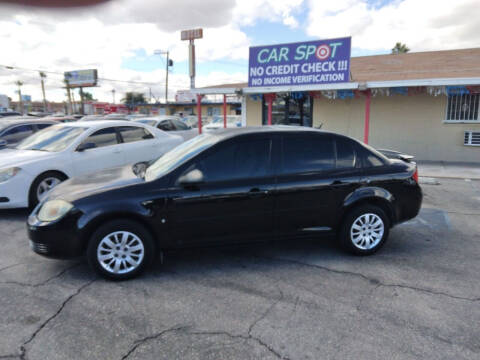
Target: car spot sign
{"x":81,"y":78}
{"x":305,"y":63}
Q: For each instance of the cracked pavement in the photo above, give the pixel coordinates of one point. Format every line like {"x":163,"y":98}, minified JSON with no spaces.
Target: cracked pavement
{"x":419,"y":297}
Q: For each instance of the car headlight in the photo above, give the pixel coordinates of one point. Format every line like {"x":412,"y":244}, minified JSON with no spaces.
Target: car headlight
{"x":53,"y":210}
{"x":7,"y":174}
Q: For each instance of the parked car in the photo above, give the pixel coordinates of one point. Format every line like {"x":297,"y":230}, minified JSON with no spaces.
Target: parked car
{"x":91,"y":117}
{"x":192,"y":121}
{"x":170,"y":123}
{"x":217,"y":122}
{"x":5,"y":114}
{"x":115,"y":116}
{"x":62,"y":119}
{"x":15,"y":130}
{"x":234,"y":185}
{"x":50,"y":156}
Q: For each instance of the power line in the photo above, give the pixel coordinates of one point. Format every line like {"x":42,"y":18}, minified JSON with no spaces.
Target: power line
{"x":60,"y":73}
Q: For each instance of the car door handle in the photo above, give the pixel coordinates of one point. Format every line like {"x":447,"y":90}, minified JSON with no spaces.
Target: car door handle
{"x":116,"y":151}
{"x":254,"y":192}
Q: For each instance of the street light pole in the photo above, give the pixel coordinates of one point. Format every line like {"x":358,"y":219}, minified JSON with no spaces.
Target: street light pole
{"x":42,"y":76}
{"x":20,"y":102}
{"x":113,"y":96}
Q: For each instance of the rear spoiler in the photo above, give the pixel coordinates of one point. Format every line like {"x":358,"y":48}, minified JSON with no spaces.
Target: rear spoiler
{"x":392,"y":154}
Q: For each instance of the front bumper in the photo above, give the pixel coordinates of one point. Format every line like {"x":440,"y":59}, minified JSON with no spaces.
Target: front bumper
{"x":60,"y":239}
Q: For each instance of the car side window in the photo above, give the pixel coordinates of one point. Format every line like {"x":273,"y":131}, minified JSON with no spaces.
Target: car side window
{"x":179,"y":125}
{"x":237,"y":160}
{"x":307,"y":153}
{"x":345,"y":153}
{"x":166,"y":125}
{"x":103,"y":137}
{"x":17,"y":133}
{"x":133,"y":133}
{"x":42,"y":126}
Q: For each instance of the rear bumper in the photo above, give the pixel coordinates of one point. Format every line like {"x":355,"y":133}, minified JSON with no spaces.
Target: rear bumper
{"x":411,"y":205}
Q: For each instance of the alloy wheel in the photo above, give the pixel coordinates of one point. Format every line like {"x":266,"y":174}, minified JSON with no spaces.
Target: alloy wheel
{"x":120,"y":252}
{"x":367,"y":231}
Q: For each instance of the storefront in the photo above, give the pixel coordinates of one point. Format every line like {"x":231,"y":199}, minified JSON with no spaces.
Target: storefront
{"x":426,"y":103}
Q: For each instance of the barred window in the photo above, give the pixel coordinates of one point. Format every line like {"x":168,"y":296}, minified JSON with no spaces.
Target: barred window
{"x":463,"y":107}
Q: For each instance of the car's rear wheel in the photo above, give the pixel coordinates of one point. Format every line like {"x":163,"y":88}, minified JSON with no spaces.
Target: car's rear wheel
{"x":120,"y":250}
{"x":43,"y":184}
{"x":364,"y":230}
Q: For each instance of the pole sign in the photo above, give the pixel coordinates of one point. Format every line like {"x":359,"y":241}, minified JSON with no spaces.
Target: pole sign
{"x":305,"y":63}
{"x":81,"y":78}
{"x":191,"y":34}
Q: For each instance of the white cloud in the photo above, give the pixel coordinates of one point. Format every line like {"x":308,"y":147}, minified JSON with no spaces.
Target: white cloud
{"x":247,"y":12}
{"x":422,"y":25}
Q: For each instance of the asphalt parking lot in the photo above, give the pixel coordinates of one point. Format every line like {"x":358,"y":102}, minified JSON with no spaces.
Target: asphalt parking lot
{"x":419,"y":297}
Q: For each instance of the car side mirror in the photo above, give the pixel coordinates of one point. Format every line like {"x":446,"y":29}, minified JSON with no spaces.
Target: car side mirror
{"x":86,"y":146}
{"x":193,"y":177}
{"x":3,"y":144}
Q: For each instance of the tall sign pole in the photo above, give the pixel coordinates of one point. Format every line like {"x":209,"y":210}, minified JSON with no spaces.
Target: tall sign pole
{"x":191,"y":35}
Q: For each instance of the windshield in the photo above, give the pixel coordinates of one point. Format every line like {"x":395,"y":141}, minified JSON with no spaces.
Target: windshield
{"x":179,"y":155}
{"x":54,"y":138}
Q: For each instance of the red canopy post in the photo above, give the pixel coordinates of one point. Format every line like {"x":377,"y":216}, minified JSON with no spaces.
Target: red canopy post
{"x":366,"y":129}
{"x":199,"y":112}
{"x":269,"y":98}
{"x":224,"y":110}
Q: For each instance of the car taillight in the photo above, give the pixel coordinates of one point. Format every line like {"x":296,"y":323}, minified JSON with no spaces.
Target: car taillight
{"x":415,"y":175}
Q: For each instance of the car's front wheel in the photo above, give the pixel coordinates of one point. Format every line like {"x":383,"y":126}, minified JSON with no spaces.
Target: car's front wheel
{"x":120,"y":250}
{"x":364,"y":230}
{"x":43,"y":184}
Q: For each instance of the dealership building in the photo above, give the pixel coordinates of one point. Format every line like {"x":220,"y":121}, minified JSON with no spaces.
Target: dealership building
{"x":425,"y":103}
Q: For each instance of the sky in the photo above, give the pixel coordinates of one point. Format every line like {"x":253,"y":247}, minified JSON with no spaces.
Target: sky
{"x":119,"y":38}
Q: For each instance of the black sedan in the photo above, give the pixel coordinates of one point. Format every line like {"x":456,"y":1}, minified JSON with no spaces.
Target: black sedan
{"x":235,"y":185}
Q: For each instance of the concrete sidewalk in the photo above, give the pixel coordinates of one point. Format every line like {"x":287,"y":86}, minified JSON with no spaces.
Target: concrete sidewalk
{"x":454,"y":170}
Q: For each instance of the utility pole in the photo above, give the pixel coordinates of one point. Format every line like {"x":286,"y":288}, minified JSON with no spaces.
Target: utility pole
{"x":43,"y":76}
{"x":168,"y":64}
{"x":166,"y":78}
{"x":20,"y":102}
{"x":113,"y":95}
{"x":81,"y":101}
{"x":67,"y":84}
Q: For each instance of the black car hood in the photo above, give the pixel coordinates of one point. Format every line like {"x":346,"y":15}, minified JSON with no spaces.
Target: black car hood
{"x":83,"y":186}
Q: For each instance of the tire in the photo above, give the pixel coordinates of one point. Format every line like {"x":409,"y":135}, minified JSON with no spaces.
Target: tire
{"x":47,"y":179}
{"x":121,"y":262}
{"x":364,"y":230}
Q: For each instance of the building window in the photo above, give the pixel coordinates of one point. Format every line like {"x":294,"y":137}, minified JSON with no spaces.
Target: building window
{"x":462,"y":107}
{"x":288,"y":110}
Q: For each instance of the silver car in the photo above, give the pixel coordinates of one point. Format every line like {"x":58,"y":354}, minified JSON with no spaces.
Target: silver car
{"x":172,"y":124}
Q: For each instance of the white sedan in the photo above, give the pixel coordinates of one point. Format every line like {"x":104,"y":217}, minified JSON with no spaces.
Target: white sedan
{"x":172,"y":124}
{"x":52,"y":155}
{"x":233,"y":121}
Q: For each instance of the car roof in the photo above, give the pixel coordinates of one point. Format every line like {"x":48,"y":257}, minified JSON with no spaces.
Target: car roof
{"x":10,"y":122}
{"x":94,"y":124}
{"x":231,"y":132}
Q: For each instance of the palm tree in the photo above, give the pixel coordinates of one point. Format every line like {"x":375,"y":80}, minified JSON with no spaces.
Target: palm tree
{"x":400,"y":48}
{"x":133,"y":98}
